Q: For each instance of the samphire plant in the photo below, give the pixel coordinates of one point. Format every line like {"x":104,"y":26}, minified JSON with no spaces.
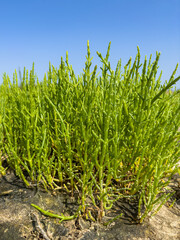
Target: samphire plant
{"x":105,"y":138}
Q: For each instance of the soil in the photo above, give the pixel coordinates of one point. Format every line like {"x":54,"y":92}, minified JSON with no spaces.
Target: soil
{"x":20,"y":221}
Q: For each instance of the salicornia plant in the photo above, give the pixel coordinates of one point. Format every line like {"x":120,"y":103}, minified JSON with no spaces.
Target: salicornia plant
{"x":104,"y":137}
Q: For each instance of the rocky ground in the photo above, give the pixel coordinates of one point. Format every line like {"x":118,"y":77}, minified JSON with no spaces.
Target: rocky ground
{"x":20,"y":221}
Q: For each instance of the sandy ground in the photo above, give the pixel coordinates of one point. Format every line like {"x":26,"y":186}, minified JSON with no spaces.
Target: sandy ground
{"x":20,"y":221}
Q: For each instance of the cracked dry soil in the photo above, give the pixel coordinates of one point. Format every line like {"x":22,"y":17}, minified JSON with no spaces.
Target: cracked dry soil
{"x":20,"y":221}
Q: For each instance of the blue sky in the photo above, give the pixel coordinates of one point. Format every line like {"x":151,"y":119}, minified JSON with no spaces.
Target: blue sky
{"x":42,"y":30}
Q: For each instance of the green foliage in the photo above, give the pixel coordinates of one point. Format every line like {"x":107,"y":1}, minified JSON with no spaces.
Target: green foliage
{"x":106,"y":137}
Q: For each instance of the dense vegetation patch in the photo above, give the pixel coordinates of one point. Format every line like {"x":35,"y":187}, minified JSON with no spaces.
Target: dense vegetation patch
{"x":103,"y":138}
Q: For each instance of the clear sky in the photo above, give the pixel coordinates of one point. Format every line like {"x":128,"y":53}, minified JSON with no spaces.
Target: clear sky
{"x":43,"y":30}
